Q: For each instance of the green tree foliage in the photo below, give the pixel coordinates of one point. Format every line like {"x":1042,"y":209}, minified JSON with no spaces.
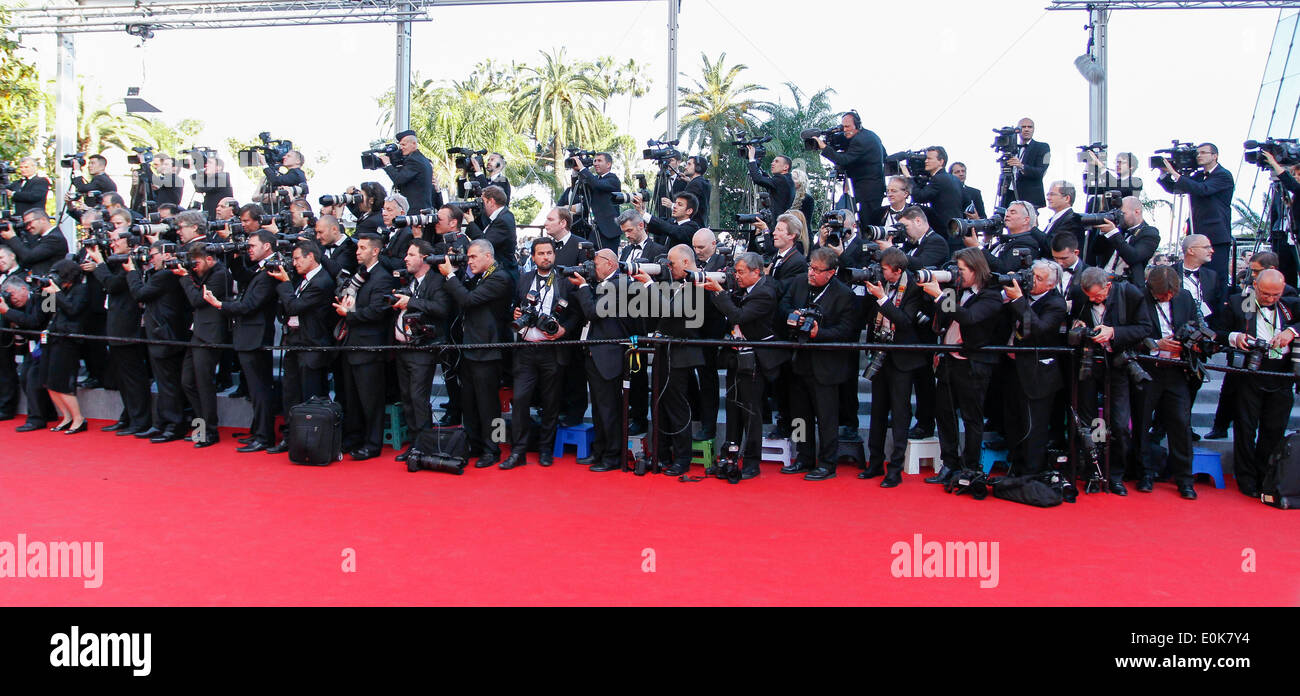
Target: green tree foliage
{"x":20,"y":96}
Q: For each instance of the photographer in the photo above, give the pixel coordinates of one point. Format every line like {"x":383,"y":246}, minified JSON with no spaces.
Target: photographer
{"x":604,"y":362}
{"x":338,"y":252}
{"x":167,"y":317}
{"x":694,"y":183}
{"x":214,"y":183}
{"x":924,"y":247}
{"x":499,"y":230}
{"x":253,"y":313}
{"x":897,"y":193}
{"x":682,"y":228}
{"x":573,"y":376}
{"x":1112,"y":315}
{"x":1037,"y":318}
{"x":369,"y":212}
{"x":597,"y":181}
{"x":972,"y":201}
{"x":704,"y":381}
{"x":276,"y":181}
{"x":748,"y":312}
{"x":1200,"y":280}
{"x":227,"y":209}
{"x":971,"y":320}
{"x":814,"y":401}
{"x":939,"y":191}
{"x":366,"y":323}
{"x":1007,"y":252}
{"x":29,"y":191}
{"x":422,"y":307}
{"x":1168,"y":394}
{"x":495,"y":174}
{"x":1126,"y":253}
{"x":1060,"y":200}
{"x":541,"y":294}
{"x":780,"y":184}
{"x":199,"y":371}
{"x":1028,"y":166}
{"x":40,"y":247}
{"x":1282,"y":238}
{"x":1263,"y":403}
{"x":482,"y":294}
{"x":12,"y":346}
{"x":1210,"y":194}
{"x":128,"y":362}
{"x":863,"y":161}
{"x":850,"y":248}
{"x":168,"y":186}
{"x":892,"y":313}
{"x":20,"y":309}
{"x":94,"y":178}
{"x":638,"y":247}
{"x":1102,"y":180}
{"x":412,"y":176}
{"x":60,"y":353}
{"x":308,"y":321}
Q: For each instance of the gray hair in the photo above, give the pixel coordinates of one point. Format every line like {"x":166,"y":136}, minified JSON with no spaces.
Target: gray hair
{"x":1067,"y":189}
{"x":195,"y":218}
{"x":629,"y":215}
{"x":1093,"y":277}
{"x":400,"y":200}
{"x":1053,"y":267}
{"x":483,"y":246}
{"x":1030,"y":211}
{"x":751,"y":260}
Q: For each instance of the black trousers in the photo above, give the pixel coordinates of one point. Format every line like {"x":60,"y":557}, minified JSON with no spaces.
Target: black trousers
{"x":255,"y":366}
{"x":780,"y":389}
{"x":847,"y":404}
{"x":1119,"y":422}
{"x":574,"y":377}
{"x":199,"y":380}
{"x":891,"y":407}
{"x":481,"y":404}
{"x":1226,"y":410}
{"x":638,"y":395}
{"x":167,"y":375}
{"x":536,"y":373}
{"x":40,"y":409}
{"x":451,"y":379}
{"x":816,"y":409}
{"x":744,"y":407}
{"x":363,"y":418}
{"x":415,"y":382}
{"x":606,"y":405}
{"x":704,"y":391}
{"x":94,"y":353}
{"x":9,"y":384}
{"x":1262,"y":416}
{"x":672,"y":410}
{"x":130,"y":365}
{"x":962,"y":386}
{"x":1169,"y":397}
{"x":923,"y":385}
{"x":299,"y":382}
{"x":1025,"y":421}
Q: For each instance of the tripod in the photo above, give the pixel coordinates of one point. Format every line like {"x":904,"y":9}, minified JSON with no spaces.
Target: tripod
{"x":663,"y":188}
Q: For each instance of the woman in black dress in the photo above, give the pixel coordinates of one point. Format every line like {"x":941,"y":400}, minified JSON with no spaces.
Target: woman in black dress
{"x":71,"y":300}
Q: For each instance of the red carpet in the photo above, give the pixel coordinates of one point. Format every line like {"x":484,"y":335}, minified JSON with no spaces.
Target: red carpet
{"x":212,"y":527}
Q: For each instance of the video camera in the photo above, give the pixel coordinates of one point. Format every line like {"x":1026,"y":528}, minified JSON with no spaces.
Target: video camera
{"x":1006,"y":142}
{"x":370,"y":158}
{"x":465,"y":157}
{"x":743,"y":142}
{"x":834,"y":138}
{"x":661,"y":150}
{"x":197,"y":157}
{"x":79,"y":158}
{"x":143,"y":155}
{"x":1182,"y":157}
{"x":273,"y":150}
{"x":915,"y":161}
{"x":586,"y":157}
{"x":1284,"y":150}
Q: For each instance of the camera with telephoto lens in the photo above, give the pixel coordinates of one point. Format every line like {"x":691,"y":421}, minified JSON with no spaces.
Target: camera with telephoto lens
{"x":743,"y":142}
{"x":801,"y":321}
{"x":1128,"y":360}
{"x":91,"y":198}
{"x":1256,"y":349}
{"x":286,"y":194}
{"x":457,"y":258}
{"x":661,"y":150}
{"x":348,"y":283}
{"x":95,"y":241}
{"x":1024,"y":277}
{"x":835,"y":224}
{"x":1284,"y":150}
{"x":143,"y":155}
{"x":162,"y":227}
{"x":727,"y":465}
{"x":232,"y":225}
{"x":747,"y":218}
{"x":1182,"y":157}
{"x":973,"y":481}
{"x":1006,"y":142}
{"x":1079,"y":337}
{"x":226,"y":248}
{"x":874,"y":233}
{"x":424,"y":218}
{"x":138,"y":256}
{"x":586,"y":157}
{"x":633,"y":266}
{"x":465,"y":157}
{"x":273,"y":150}
{"x":943,"y":276}
{"x":39,"y":281}
{"x":1114,"y":216}
{"x":340,"y":199}
{"x":475,"y":207}
{"x":586,"y":269}
{"x":874,"y":273}
{"x":531,"y":316}
{"x":961,"y":227}
{"x":418,"y":460}
{"x":79,"y":158}
{"x":178,"y":261}
{"x":834,"y":138}
{"x":727,"y":278}
{"x":915,"y":161}
{"x":876,"y":358}
{"x":370,"y":158}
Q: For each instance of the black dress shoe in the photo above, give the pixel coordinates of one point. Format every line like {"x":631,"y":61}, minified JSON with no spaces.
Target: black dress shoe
{"x":149,"y":434}
{"x":280,"y":447}
{"x":1216,"y":434}
{"x":605,"y":466}
{"x":636,"y":427}
{"x":945,"y":474}
{"x":891,"y":481}
{"x":206,"y":443}
{"x":796,"y":467}
{"x":252,"y":446}
{"x":848,"y":433}
{"x":85,"y":425}
{"x":6,"y":416}
{"x":60,"y":427}
{"x":919,"y":433}
{"x":403,"y":456}
{"x":359,"y":455}
{"x":821,"y":473}
{"x":748,"y":471}
{"x":1250,"y":492}
{"x":128,"y":430}
{"x":513,"y":461}
{"x":588,"y":460}
{"x":1196,"y":437}
{"x":1187,"y":492}
{"x":486,"y":460}
{"x":776,"y":434}
{"x":545,"y":459}
{"x":28,"y":427}
{"x":677,"y":470}
{"x":1145,"y":484}
{"x":167,"y":436}
{"x":112,"y":427}
{"x":1117,"y":487}
{"x":872,"y":471}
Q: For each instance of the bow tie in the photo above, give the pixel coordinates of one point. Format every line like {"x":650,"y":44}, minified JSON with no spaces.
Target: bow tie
{"x":559,"y":245}
{"x":1192,"y":274}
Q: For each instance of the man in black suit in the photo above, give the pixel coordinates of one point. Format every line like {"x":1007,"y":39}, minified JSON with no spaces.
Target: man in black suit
{"x":1036,"y":320}
{"x":595,"y":184}
{"x":1028,"y":166}
{"x":972,"y":201}
{"x":788,"y":267}
{"x":253,"y":312}
{"x":941,"y":193}
{"x":924,"y":248}
{"x":19,"y":309}
{"x":539,"y":369}
{"x":412,"y":175}
{"x":94,"y":178}
{"x":29,"y":190}
{"x":1114,"y":310}
{"x":396,"y":240}
{"x":698,"y":186}
{"x":214,"y":183}
{"x":168,"y":186}
{"x":748,"y":312}
{"x":1007,"y":253}
{"x":339,"y":252}
{"x":573,"y":375}
{"x":498,"y":230}
{"x":308,"y":320}
{"x":495,"y":174}
{"x":199,"y":371}
{"x":604,"y":362}
{"x":1127,"y":252}
{"x":482,"y":298}
{"x":1060,"y":200}
{"x":893,"y":313}
{"x":1196,"y":275}
{"x":1168,"y":394}
{"x":778,"y":183}
{"x":862,"y":158}
{"x":422,"y":307}
{"x":40,"y":246}
{"x":1209,"y":192}
{"x":11,"y":345}
{"x":366,"y":323}
{"x":128,"y":362}
{"x":681,"y":230}
{"x":817,"y":379}
{"x":705,"y":382}
{"x":566,"y":243}
{"x":167,"y":316}
{"x":637,"y":247}
{"x":447,"y":231}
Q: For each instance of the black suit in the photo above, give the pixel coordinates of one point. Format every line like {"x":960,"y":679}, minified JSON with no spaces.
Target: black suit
{"x":1134,"y":247}
{"x":972,"y":196}
{"x":602,"y":208}
{"x":340,"y":256}
{"x":40,"y":409}
{"x":542,"y":369}
{"x":29,"y":194}
{"x":38,"y":254}
{"x":413,"y":178}
{"x":1006,"y":256}
{"x":573,"y":376}
{"x":701,"y":189}
{"x":751,"y":311}
{"x":785,"y":271}
{"x":818,"y":374}
{"x":199,"y":370}
{"x":308,"y":305}
{"x":930,"y":252}
{"x":673,"y":368}
{"x":1204,"y":286}
{"x":639,"y":389}
{"x":1210,"y":196}
{"x":368,"y":324}
{"x":415,"y":368}
{"x":780,"y":185}
{"x":215,"y":188}
{"x":962,"y":382}
{"x":501,"y":233}
{"x":863,"y":162}
{"x":1034,"y":378}
{"x":670,"y":233}
{"x":499,"y":180}
{"x":891,"y":388}
{"x":128,"y":362}
{"x":567,"y":255}
{"x":166,"y":317}
{"x":1027,"y":183}
{"x":254,"y":317}
{"x":482,"y":302}
{"x":942,"y":198}
{"x":100,"y":182}
{"x":604,"y":367}
{"x":393,"y":256}
{"x":1169,"y":394}
{"x":1069,"y":221}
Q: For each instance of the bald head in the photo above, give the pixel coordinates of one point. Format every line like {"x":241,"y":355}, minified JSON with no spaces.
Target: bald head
{"x":606,"y":263}
{"x":608,"y":255}
{"x":705,"y":243}
{"x":682,"y":259}
{"x":1271,"y":280}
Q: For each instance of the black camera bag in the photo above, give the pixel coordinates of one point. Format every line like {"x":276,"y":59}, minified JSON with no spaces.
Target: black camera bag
{"x":1281,"y":485}
{"x":450,"y":443}
{"x":1030,"y":490}
{"x":315,"y":432}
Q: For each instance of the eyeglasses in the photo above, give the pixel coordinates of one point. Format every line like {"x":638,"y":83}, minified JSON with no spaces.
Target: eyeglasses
{"x":812,"y":269}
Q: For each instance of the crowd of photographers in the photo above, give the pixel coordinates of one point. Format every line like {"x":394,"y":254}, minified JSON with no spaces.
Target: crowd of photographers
{"x":407,"y":284}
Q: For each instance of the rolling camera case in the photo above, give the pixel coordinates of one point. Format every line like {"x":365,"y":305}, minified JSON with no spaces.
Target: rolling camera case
{"x":450,"y":443}
{"x":316,"y":432}
{"x":1281,"y":485}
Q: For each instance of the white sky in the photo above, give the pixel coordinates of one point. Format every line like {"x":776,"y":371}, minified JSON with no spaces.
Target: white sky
{"x":920,"y":73}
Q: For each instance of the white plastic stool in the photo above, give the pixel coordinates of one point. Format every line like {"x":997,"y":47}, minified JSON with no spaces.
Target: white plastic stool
{"x":921,"y":452}
{"x":636,"y":444}
{"x":777,"y":451}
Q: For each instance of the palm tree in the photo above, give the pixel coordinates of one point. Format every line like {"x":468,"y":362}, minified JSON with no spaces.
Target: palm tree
{"x":102,"y":127}
{"x":716,"y":107}
{"x":558,"y":104}
{"x":785,"y":123}
{"x":1247,"y":220}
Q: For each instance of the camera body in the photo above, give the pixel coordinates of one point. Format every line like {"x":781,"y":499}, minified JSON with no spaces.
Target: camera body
{"x":801,"y":321}
{"x":661,"y":151}
{"x":273,"y":150}
{"x":424,"y":218}
{"x":457,"y":258}
{"x":960,"y":227}
{"x":1006,"y":141}
{"x":1181,"y":156}
{"x":834,"y":137}
{"x":1284,"y":150}
{"x":465,"y":157}
{"x":586,"y":269}
{"x":531,"y":316}
{"x":743,"y":142}
{"x":370,"y":158}
{"x":1256,"y":349}
{"x":586,"y":157}
{"x":727,"y":465}
{"x":79,"y":158}
{"x":915,"y":161}
{"x":143,"y":155}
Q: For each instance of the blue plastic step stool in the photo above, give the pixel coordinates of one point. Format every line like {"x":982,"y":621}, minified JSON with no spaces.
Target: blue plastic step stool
{"x":1205,"y":461}
{"x":580,"y":435}
{"x":395,"y":433}
{"x":989,"y":457}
